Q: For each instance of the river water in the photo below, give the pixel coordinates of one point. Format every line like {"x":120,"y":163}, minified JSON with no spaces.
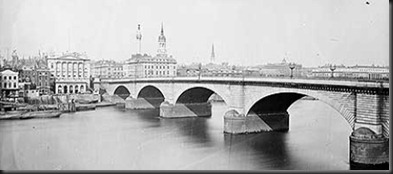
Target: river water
{"x":115,"y":138}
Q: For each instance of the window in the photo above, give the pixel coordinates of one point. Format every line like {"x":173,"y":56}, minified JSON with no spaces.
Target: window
{"x":14,"y":85}
{"x":5,"y":85}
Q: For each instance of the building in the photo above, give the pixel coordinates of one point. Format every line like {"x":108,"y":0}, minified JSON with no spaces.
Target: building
{"x":107,"y":69}
{"x":35,"y":77}
{"x":72,"y":72}
{"x":161,"y":65}
{"x":9,"y":83}
{"x":280,"y":69}
{"x":353,"y":72}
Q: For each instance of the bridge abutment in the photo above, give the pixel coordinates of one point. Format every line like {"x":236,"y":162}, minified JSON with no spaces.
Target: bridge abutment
{"x":235,"y":123}
{"x":168,"y":110}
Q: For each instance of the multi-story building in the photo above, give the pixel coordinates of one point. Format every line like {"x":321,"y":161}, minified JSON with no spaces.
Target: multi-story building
{"x":72,"y":72}
{"x":145,"y":65}
{"x":280,"y":69}
{"x":9,"y":83}
{"x":106,"y":69}
{"x":36,"y":77}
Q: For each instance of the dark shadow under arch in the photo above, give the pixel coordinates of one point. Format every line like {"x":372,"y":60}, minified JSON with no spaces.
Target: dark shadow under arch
{"x":197,"y":100}
{"x":195,"y":95}
{"x":122,"y":92}
{"x":275,"y":103}
{"x":272,"y":109}
{"x":152,"y":95}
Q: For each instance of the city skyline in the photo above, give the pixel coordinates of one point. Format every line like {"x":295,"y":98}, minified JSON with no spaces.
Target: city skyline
{"x":243,"y":32}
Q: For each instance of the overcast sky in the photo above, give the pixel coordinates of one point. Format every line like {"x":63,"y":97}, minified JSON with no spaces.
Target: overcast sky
{"x":244,"y":32}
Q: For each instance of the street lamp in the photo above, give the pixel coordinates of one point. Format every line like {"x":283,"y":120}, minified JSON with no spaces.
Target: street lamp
{"x":199,"y":73}
{"x":291,"y":66}
{"x":233,"y":70}
{"x":332,"y":68}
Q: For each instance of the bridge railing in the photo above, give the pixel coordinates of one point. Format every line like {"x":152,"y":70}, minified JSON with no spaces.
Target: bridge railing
{"x":338,"y":82}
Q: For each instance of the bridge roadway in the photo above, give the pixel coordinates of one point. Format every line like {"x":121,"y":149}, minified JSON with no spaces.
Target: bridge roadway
{"x":260,"y":104}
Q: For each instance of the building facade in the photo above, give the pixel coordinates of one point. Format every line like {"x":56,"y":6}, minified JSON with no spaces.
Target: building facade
{"x":9,"y":83}
{"x":107,"y":69}
{"x":34,"y":77}
{"x":72,"y":72}
{"x":161,"y":65}
{"x":280,"y":69}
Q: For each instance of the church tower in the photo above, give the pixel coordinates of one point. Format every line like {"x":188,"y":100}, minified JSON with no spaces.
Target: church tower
{"x":213,"y":55}
{"x":161,"y":42}
{"x":139,"y":38}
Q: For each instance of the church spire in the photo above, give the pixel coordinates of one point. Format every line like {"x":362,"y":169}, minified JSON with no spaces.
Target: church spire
{"x":213,"y":55}
{"x":162,"y":28}
{"x":161,"y":42}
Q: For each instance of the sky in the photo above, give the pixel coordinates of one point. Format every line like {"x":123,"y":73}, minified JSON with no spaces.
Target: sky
{"x":244,"y":32}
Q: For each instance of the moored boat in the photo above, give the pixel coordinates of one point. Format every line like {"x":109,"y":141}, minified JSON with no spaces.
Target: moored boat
{"x":41,"y":114}
{"x":11,"y":115}
{"x":85,"y":107}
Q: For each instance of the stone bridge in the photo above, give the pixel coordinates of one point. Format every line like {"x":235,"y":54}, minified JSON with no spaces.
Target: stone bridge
{"x":260,"y":104}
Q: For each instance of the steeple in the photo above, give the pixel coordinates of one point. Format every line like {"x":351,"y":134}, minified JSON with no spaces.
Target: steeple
{"x":213,"y":56}
{"x":162,"y":28}
{"x":139,"y":38}
{"x":161,"y":42}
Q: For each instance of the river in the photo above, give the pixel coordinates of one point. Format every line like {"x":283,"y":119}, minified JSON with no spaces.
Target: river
{"x":117,"y":139}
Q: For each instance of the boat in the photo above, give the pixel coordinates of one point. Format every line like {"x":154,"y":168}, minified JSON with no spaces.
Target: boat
{"x":84,"y":101}
{"x":41,"y":114}
{"x":11,"y":115}
{"x":85,"y":107}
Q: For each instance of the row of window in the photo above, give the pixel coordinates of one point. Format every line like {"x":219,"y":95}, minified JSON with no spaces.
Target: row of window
{"x":52,"y":65}
{"x":9,"y":77}
{"x":158,"y":67}
{"x":9,"y":85}
{"x":151,"y":72}
{"x":69,"y":76}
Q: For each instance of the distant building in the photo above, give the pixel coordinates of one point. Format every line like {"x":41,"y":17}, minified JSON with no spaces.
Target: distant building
{"x":107,"y":69}
{"x":72,"y":72}
{"x":145,"y":65}
{"x":280,"y":69}
{"x":9,"y":83}
{"x":354,"y":72}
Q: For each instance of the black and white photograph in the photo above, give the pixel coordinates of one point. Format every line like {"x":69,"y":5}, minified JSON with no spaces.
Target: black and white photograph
{"x":194,"y":85}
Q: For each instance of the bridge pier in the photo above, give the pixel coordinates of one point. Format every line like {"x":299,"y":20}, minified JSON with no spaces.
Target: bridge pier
{"x":368,"y":149}
{"x":168,"y":110}
{"x":235,"y":123}
{"x":143,"y":103}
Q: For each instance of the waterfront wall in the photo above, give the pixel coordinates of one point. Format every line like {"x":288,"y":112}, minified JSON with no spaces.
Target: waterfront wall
{"x":49,"y":99}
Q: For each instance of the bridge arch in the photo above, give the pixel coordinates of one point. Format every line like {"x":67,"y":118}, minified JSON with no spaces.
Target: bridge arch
{"x":281,"y":100}
{"x":198,"y":94}
{"x":150,"y":91}
{"x":122,"y":92}
{"x":151,"y":95}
